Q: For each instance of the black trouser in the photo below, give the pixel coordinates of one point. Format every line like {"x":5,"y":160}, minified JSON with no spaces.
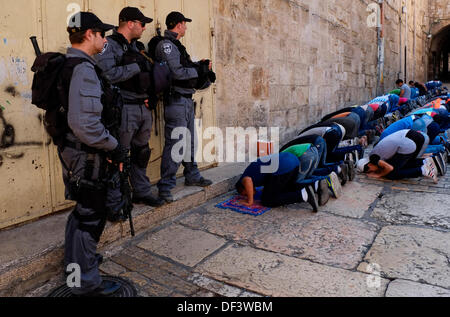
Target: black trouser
{"x":301,"y":140}
{"x":281,"y":190}
{"x":406,"y":165}
{"x":350,"y":125}
{"x":417,"y":138}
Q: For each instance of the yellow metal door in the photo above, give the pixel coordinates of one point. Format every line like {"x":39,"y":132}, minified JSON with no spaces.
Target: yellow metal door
{"x":198,"y":41}
{"x":24,"y":161}
{"x":30,"y":172}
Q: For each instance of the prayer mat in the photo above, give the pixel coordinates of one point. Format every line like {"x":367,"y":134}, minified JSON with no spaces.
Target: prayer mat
{"x":234,"y":204}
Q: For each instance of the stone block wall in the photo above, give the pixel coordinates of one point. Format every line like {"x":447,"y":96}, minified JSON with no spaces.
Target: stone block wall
{"x":286,"y":63}
{"x":440,"y":13}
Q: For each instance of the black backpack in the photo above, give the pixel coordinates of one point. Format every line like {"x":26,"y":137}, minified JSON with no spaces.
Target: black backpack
{"x":52,"y":74}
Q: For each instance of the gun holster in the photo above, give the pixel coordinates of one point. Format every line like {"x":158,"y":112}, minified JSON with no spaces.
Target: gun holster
{"x":90,"y":194}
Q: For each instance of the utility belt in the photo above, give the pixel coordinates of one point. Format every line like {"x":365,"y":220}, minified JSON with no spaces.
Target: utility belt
{"x":176,"y":94}
{"x":136,"y":101}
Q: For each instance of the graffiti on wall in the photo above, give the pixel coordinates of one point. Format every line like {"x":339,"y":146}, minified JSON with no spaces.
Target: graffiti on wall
{"x":8,"y":139}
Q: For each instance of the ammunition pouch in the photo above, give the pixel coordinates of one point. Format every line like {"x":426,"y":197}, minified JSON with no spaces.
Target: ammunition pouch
{"x":89,"y":194}
{"x":112,"y":108}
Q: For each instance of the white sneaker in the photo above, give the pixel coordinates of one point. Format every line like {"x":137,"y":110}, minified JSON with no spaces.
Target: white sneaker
{"x":427,"y":172}
{"x":430,"y":163}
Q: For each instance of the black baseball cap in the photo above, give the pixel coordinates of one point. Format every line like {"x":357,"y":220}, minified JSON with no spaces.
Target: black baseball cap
{"x":83,"y":21}
{"x":133,"y":14}
{"x":174,"y":18}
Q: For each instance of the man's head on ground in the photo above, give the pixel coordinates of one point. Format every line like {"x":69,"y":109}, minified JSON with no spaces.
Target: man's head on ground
{"x":399,"y":83}
{"x":132,"y":23}
{"x":242,"y":184}
{"x":87,"y":32}
{"x":176,"y":22}
{"x":365,"y":166}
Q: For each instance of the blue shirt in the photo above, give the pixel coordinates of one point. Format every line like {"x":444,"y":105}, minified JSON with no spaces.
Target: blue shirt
{"x":403,"y":124}
{"x":287,"y":163}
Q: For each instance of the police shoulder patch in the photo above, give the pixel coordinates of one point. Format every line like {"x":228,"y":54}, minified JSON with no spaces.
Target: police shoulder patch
{"x":105,"y":47}
{"x":167,"y":48}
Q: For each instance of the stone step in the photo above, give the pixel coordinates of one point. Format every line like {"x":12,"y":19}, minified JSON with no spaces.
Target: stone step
{"x":33,"y":253}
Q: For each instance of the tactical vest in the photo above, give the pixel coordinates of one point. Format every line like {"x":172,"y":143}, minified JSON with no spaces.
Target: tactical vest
{"x":141,"y":82}
{"x":111,"y":101}
{"x":185,"y":61}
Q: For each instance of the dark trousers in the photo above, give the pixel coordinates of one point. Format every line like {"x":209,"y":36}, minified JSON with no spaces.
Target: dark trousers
{"x":405,"y":166}
{"x":281,"y":190}
{"x":178,"y":113}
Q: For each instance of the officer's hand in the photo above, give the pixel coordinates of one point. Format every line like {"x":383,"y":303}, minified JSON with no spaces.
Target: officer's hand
{"x":212,"y":76}
{"x":202,"y":69}
{"x":119,"y":154}
{"x":206,"y":62}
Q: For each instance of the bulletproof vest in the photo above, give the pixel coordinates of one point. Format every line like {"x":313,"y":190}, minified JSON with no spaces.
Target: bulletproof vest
{"x":111,"y":101}
{"x":186,"y":61}
{"x":141,"y":82}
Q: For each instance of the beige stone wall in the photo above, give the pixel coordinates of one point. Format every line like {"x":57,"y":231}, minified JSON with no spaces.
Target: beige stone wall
{"x":416,"y":40}
{"x":440,"y":11}
{"x":287,"y":62}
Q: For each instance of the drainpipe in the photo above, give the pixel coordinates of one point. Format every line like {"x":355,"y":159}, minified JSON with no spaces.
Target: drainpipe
{"x":405,"y":11}
{"x":380,"y":39}
{"x":400,"y":54}
{"x":414,"y":45}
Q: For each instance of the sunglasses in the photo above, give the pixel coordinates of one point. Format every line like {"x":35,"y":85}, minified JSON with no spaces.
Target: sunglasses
{"x":102,"y":33}
{"x":141,"y":23}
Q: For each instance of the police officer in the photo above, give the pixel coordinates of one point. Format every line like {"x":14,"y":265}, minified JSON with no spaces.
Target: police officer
{"x":125,"y":66}
{"x":84,"y":152}
{"x":179,"y":107}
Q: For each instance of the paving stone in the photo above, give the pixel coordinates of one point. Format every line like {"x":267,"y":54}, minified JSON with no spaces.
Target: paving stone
{"x":319,"y":237}
{"x":402,"y":288}
{"x":214,"y":286}
{"x":355,"y":200}
{"x":159,"y":276}
{"x":156,"y":290}
{"x":273,"y":274}
{"x":111,"y":268}
{"x":137,"y":279}
{"x":182,"y":244}
{"x":413,"y":208}
{"x":414,"y":254}
{"x":156,"y":262}
{"x":250,"y":294}
{"x":204,"y":294}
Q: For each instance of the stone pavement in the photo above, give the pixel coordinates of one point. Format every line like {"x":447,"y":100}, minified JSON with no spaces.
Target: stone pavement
{"x":381,"y":238}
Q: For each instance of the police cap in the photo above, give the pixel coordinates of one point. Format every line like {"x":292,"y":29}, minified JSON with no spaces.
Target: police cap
{"x":133,"y":14}
{"x":83,"y":21}
{"x":174,"y":18}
